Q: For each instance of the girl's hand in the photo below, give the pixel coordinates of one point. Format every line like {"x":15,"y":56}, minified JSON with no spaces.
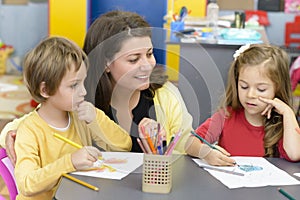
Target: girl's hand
{"x":10,"y":146}
{"x":85,"y":157}
{"x":219,"y":158}
{"x":278,"y":105}
{"x":86,"y":112}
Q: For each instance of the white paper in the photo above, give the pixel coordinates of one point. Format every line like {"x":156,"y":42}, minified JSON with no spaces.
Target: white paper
{"x":133,"y":161}
{"x":269,"y":175}
{"x":297,"y":174}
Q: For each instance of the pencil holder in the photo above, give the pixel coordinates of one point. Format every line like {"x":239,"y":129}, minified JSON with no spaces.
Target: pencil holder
{"x":157,"y":173}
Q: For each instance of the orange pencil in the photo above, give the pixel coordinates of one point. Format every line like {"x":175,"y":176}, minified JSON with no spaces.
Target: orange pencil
{"x":150,"y":142}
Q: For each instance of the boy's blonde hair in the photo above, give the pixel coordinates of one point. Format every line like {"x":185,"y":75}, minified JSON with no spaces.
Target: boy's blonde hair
{"x":276,"y":62}
{"x":48,"y":62}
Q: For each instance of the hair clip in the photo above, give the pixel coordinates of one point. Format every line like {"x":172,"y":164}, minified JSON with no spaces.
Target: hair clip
{"x":240,"y":50}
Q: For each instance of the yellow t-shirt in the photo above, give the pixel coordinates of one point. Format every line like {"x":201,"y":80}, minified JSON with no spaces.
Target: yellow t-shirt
{"x":42,"y":158}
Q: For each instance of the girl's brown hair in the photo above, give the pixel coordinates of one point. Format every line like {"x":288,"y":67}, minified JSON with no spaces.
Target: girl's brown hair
{"x":276,"y":63}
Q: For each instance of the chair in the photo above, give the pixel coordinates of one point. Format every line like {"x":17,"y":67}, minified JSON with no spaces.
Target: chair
{"x":7,"y":173}
{"x":292,"y":33}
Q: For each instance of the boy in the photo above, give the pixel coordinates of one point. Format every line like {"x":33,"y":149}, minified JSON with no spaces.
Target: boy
{"x":54,"y":72}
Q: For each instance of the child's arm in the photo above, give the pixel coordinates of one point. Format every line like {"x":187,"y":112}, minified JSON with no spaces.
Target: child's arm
{"x":109,"y":135}
{"x":291,"y":139}
{"x":105,"y":132}
{"x":210,"y":129}
{"x":195,"y":148}
{"x":41,"y":162}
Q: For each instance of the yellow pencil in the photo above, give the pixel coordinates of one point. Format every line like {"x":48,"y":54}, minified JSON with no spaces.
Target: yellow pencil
{"x":81,"y":182}
{"x":70,"y":142}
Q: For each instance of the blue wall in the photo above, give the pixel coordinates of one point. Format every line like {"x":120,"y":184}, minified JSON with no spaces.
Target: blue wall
{"x":153,"y":11}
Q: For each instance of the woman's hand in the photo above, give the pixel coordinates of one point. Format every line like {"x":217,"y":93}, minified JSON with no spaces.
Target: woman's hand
{"x":10,"y":146}
{"x":85,"y":157}
{"x":149,"y":125}
{"x":86,"y":112}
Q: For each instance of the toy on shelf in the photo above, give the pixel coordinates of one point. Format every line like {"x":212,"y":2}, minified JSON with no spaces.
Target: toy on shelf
{"x":5,"y":51}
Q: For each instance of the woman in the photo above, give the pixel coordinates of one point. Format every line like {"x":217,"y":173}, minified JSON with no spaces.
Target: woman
{"x":130,"y":89}
{"x":123,"y":81}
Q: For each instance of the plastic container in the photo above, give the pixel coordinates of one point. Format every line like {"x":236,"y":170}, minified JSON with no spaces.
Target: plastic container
{"x":212,"y":16}
{"x":157,"y":173}
{"x":176,"y":27}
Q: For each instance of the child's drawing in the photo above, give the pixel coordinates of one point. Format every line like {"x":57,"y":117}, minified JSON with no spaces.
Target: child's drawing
{"x":114,"y":165}
{"x":250,"y":168}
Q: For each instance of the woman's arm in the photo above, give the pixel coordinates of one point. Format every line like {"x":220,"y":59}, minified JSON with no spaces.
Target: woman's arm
{"x":172,"y":114}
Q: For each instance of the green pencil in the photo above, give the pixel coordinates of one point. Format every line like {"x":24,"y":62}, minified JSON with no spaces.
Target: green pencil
{"x":287,"y":195}
{"x":205,"y":141}
{"x":210,"y":145}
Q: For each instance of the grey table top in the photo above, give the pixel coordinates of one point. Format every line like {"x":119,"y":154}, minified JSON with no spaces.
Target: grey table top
{"x":189,"y":181}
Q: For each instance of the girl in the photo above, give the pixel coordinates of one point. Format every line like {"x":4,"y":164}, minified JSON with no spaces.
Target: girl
{"x":256,"y":118}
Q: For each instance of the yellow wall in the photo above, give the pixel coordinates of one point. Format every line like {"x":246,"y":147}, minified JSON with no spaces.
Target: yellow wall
{"x":68,"y":18}
{"x":198,"y":9}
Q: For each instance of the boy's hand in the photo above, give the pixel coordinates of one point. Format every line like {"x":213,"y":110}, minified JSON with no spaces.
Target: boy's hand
{"x":85,"y":157}
{"x":218,"y":158}
{"x":10,"y":146}
{"x":86,"y":112}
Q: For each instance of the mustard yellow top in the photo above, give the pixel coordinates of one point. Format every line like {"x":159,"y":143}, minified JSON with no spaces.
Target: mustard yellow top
{"x":172,"y":114}
{"x":43,"y":158}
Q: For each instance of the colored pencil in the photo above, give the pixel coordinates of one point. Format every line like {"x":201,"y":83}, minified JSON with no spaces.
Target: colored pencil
{"x":141,"y":145}
{"x":284,"y":193}
{"x":210,"y":145}
{"x":173,"y":144}
{"x":204,"y":141}
{"x":223,"y":170}
{"x":74,"y":144}
{"x":81,"y":182}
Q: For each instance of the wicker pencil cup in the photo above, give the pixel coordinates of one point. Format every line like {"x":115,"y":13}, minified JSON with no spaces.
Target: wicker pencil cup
{"x":157,"y":173}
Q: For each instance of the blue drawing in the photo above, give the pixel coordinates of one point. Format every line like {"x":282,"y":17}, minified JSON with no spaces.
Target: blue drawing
{"x":250,"y":168}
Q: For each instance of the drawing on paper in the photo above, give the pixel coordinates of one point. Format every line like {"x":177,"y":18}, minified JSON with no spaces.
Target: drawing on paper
{"x":250,"y":168}
{"x":101,"y":165}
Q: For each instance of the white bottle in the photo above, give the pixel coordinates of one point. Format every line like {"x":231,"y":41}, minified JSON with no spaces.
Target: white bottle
{"x":212,"y":16}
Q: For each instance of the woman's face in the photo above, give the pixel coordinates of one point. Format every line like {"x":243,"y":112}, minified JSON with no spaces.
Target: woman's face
{"x":133,"y":64}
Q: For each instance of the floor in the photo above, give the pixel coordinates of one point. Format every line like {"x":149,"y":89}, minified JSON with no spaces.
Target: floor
{"x":14,"y":98}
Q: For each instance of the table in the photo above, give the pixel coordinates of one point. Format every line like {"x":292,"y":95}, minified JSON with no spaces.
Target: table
{"x":189,"y":182}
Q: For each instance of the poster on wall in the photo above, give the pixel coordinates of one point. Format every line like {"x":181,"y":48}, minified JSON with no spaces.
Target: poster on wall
{"x":292,"y":6}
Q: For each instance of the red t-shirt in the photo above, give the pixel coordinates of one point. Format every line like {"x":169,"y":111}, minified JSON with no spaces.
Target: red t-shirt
{"x":236,"y":134}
